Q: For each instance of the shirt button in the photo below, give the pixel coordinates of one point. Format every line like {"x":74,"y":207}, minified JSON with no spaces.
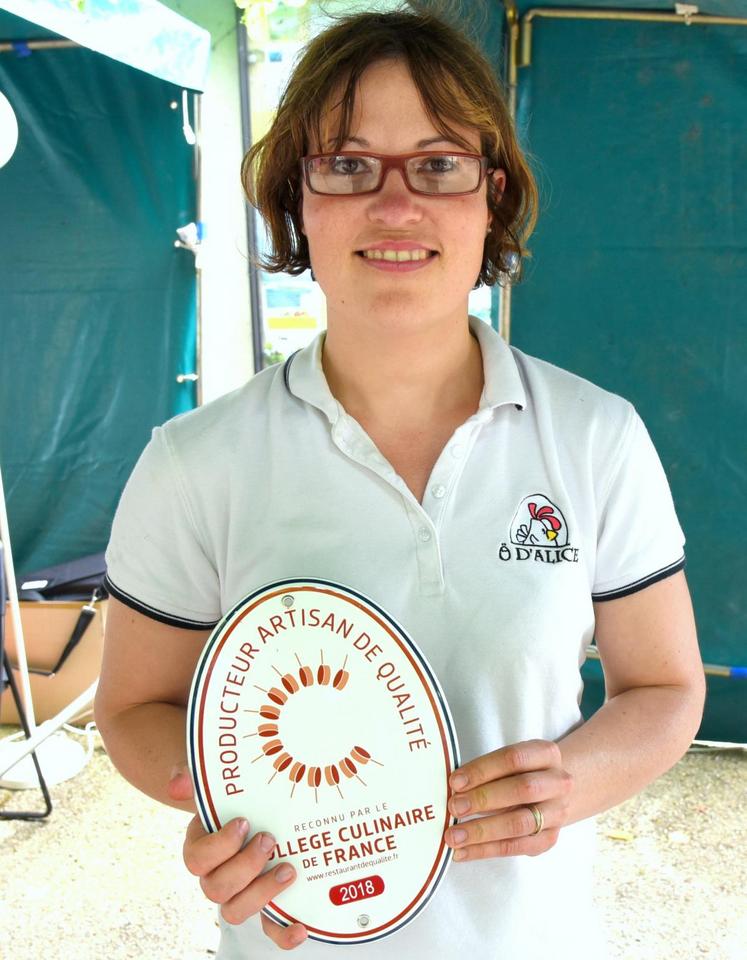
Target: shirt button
{"x":424,"y":534}
{"x":438,"y":490}
{"x":457,"y":450}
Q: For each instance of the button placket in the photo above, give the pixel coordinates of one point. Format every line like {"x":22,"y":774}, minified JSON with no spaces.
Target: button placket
{"x":429,"y":565}
{"x":354,"y":443}
{"x":446,"y":472}
{"x":435,"y":499}
{"x":450,"y":466}
{"x":427,"y":548}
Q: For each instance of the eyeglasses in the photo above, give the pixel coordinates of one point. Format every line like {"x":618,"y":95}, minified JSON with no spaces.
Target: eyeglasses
{"x":430,"y":174}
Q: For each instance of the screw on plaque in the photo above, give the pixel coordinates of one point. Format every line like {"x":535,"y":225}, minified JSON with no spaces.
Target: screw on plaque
{"x":287,"y":600}
{"x":364,"y":920}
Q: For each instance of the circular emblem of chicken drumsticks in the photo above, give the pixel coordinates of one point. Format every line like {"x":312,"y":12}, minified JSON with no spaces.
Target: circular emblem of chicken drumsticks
{"x":302,"y":769}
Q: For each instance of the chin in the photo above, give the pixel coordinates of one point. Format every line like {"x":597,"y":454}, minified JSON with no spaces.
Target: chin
{"x":411,"y":314}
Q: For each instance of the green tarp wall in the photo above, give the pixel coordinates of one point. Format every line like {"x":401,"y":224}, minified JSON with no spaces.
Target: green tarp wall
{"x":639,"y":275}
{"x":97,"y":307}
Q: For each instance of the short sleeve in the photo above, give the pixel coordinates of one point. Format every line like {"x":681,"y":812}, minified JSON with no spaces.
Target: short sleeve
{"x":156,"y":563}
{"x":639,"y":539}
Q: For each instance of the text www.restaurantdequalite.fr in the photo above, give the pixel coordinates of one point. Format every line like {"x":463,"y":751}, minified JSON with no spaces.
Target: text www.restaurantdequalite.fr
{"x":335,"y":871}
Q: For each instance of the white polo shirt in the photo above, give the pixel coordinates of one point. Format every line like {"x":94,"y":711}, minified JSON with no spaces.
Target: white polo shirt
{"x":549,"y":497}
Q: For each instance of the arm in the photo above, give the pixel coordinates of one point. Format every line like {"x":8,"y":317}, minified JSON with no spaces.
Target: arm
{"x":655,"y":692}
{"x":145,"y":678}
{"x":141,"y":713}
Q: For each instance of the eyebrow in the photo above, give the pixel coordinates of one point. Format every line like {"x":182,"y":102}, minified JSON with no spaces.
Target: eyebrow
{"x":420,"y":145}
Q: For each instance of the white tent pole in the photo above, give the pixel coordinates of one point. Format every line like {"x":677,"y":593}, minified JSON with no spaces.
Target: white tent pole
{"x":15,"y":611}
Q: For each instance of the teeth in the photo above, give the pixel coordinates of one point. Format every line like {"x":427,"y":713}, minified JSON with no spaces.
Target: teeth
{"x":396,"y":255}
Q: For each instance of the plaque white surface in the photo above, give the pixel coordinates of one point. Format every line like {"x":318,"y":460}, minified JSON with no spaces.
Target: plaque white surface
{"x":316,"y":717}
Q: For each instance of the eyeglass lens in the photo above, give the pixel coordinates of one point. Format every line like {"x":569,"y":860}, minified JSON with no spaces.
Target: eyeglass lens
{"x":429,"y":173}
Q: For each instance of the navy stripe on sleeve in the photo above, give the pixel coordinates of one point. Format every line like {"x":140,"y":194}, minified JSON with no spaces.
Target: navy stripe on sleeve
{"x":153,"y":613}
{"x":640,"y":584}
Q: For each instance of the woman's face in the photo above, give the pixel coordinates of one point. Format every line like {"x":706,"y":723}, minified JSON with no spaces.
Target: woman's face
{"x":389,"y":118}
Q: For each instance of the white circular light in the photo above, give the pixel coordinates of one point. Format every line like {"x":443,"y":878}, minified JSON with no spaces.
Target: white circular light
{"x":8,"y":130}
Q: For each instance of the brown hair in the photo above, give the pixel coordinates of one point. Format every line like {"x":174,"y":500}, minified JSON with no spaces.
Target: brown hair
{"x":456,"y":84}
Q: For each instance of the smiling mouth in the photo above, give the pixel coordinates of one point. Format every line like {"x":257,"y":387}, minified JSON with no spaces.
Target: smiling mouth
{"x":396,"y":256}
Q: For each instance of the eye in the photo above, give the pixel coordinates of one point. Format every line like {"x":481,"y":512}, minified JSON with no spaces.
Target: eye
{"x":348,"y":166}
{"x":439,"y":164}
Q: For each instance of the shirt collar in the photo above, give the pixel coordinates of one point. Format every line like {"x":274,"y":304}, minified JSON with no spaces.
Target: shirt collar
{"x":304,"y":375}
{"x":503,"y":383}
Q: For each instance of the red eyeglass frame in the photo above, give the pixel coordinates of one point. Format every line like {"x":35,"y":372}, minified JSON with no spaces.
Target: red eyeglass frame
{"x":397,"y":162}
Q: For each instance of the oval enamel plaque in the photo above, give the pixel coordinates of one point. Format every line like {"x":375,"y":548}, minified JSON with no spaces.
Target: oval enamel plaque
{"x":315,"y":716}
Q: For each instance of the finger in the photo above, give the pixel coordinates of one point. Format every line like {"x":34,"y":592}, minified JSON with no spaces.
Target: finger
{"x":257,"y":894}
{"x":516,"y":758}
{"x":511,"y":791}
{"x":203,"y":852}
{"x":513,"y":824}
{"x":236,"y":873}
{"x":284,"y":937}
{"x":514,"y":847}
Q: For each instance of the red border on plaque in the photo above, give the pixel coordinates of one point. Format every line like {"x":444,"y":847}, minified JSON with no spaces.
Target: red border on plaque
{"x":290,"y":589}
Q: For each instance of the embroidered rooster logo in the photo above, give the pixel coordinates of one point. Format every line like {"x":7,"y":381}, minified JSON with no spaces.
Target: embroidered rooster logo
{"x":539,"y":523}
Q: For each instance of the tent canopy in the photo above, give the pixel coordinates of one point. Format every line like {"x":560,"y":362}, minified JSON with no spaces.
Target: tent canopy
{"x":140,"y":33}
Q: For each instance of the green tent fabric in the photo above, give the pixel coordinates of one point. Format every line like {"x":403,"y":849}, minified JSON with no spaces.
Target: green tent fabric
{"x":97,"y":307}
{"x":639,"y":275}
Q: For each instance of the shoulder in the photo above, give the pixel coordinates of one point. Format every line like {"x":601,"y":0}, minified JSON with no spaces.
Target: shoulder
{"x":571,"y":401}
{"x":209,"y":428}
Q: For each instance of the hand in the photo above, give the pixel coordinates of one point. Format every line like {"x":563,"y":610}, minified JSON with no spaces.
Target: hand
{"x":231,"y":874}
{"x":501,"y":788}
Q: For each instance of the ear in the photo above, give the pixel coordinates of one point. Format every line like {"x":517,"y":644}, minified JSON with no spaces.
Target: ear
{"x":498,"y":178}
{"x":300,"y":213}
{"x":497,"y":185}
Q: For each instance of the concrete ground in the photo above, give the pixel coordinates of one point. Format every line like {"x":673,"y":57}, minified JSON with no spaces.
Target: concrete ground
{"x":102,"y":878}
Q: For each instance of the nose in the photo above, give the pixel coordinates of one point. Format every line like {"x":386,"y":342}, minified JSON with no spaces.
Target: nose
{"x":395,"y":203}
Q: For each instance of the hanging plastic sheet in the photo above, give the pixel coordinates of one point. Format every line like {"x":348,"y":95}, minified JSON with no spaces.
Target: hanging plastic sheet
{"x":141,"y":33}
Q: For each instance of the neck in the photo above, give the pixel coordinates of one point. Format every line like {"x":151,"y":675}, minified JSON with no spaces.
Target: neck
{"x":404,"y":378}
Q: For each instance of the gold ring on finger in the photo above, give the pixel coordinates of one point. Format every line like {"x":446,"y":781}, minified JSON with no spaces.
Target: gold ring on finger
{"x":539,"y":820}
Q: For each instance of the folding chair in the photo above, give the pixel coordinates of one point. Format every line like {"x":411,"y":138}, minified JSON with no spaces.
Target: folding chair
{"x":7,"y":680}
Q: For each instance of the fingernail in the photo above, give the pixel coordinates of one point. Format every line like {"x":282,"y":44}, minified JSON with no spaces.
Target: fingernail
{"x":242,"y":827}
{"x":460,"y":855}
{"x":458,"y":836}
{"x":266,"y":842}
{"x":458,"y":781}
{"x":284,"y":873}
{"x":460,"y":806}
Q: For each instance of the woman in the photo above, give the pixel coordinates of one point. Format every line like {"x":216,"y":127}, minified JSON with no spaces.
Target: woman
{"x":503,"y":511}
